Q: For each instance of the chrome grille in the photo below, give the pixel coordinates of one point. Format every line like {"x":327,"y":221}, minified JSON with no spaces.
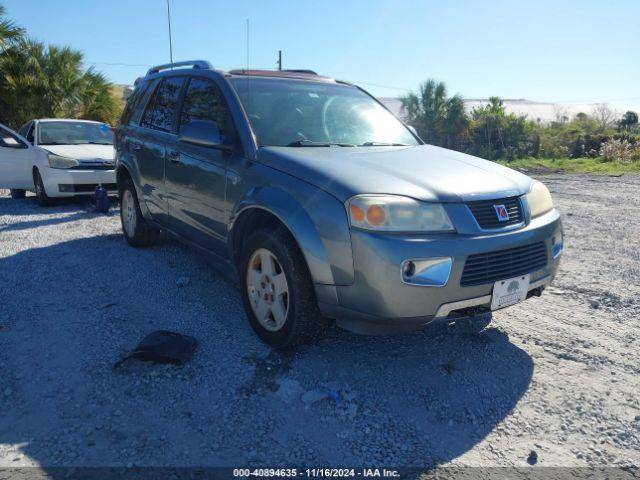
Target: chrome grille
{"x":493,"y":266}
{"x":486,"y":216}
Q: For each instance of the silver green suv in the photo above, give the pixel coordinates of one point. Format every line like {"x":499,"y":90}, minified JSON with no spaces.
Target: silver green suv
{"x":326,"y":206}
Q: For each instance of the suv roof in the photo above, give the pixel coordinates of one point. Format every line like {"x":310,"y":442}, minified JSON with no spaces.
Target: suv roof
{"x":301,"y":74}
{"x":297,"y":74}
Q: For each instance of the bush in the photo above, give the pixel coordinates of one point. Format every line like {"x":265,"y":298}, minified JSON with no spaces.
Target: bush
{"x":620,"y":150}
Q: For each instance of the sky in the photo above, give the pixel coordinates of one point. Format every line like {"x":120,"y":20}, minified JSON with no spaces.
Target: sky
{"x":580,"y":51}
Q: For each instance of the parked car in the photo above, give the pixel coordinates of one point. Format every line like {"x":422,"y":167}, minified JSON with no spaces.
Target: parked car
{"x":325,"y":205}
{"x":57,"y":158}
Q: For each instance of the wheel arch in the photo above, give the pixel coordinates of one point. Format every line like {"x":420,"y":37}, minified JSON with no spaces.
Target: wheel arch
{"x":124,"y":171}
{"x":282,"y":210}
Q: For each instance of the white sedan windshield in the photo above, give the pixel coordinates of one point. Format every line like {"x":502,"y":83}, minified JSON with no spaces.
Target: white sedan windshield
{"x":74,"y":133}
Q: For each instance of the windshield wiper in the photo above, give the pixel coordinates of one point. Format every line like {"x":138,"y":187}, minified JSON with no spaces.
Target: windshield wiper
{"x":383,"y":144}
{"x":100,"y":143}
{"x":311,"y":143}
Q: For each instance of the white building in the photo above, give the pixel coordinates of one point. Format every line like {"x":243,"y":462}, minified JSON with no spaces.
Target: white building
{"x":540,"y":111}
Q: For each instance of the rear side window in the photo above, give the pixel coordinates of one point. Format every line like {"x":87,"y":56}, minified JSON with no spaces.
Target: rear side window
{"x":135,"y":105}
{"x":204,"y":101}
{"x":161,"y":110}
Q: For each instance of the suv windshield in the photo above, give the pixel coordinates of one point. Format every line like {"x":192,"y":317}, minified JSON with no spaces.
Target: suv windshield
{"x":74,"y":133}
{"x":300,"y":113}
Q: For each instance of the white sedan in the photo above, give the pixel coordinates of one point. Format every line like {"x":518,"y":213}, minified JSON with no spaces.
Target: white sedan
{"x":57,"y":158}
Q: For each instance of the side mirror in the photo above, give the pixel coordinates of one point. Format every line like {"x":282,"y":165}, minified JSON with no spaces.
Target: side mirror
{"x":204,"y":133}
{"x":10,"y":142}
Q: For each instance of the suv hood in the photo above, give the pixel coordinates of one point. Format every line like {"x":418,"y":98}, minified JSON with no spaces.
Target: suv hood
{"x":423,"y":172}
{"x":82,"y":152}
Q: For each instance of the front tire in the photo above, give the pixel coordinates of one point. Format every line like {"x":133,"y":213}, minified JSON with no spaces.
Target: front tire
{"x":17,"y":193}
{"x":135,"y":228}
{"x":41,"y":193}
{"x":277,"y":290}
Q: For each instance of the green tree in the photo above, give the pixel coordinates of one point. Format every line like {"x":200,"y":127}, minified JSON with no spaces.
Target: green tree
{"x":488,"y":126}
{"x":439,"y":119}
{"x":49,"y":81}
{"x":628,"y":121}
{"x":9,"y":31}
{"x":496,"y":134}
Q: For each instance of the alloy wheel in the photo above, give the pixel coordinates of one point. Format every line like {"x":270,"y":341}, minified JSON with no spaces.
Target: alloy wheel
{"x":128,"y":210}
{"x":267,"y":289}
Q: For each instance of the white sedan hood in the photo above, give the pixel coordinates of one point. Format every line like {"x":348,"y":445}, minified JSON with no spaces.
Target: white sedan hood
{"x":82,"y":152}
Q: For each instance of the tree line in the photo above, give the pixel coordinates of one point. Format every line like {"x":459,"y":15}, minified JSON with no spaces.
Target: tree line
{"x":488,"y":131}
{"x":40,"y":81}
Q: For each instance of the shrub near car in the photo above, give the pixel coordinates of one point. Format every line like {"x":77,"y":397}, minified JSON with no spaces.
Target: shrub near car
{"x":325,"y":205}
{"x":57,"y":158}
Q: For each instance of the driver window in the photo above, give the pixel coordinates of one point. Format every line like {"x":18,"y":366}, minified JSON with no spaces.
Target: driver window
{"x":204,"y":101}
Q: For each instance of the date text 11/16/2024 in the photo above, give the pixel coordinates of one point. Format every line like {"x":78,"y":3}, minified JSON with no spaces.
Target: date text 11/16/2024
{"x":316,"y":473}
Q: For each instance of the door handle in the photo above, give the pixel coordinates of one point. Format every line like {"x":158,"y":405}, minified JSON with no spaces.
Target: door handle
{"x":174,"y":157}
{"x":136,"y":145}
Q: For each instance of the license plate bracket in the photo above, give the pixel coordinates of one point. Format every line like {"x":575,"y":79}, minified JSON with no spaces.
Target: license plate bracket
{"x":510,"y":291}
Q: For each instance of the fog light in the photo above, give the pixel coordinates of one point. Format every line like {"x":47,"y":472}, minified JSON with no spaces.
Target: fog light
{"x":557,"y":245}
{"x":409,"y":269}
{"x":427,"y":272}
{"x":65,"y":188}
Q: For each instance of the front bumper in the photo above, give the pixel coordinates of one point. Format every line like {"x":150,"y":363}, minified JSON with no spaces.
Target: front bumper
{"x":379,"y":298}
{"x":68,"y":183}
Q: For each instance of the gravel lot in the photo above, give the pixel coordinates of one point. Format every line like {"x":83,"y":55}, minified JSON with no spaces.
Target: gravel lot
{"x":558,"y":375}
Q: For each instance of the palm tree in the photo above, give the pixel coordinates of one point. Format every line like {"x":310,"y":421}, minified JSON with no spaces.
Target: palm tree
{"x":490,"y":121}
{"x":439,"y":120}
{"x":9,"y":32}
{"x":40,"y":81}
{"x":48,"y":81}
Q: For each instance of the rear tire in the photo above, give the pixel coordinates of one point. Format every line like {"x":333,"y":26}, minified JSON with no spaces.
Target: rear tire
{"x":135,"y":228}
{"x":41,"y":193}
{"x":272,"y":264}
{"x":18,"y":193}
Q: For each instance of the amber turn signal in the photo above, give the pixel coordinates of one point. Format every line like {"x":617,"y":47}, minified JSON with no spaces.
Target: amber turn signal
{"x":357,"y":213}
{"x":376,"y":216}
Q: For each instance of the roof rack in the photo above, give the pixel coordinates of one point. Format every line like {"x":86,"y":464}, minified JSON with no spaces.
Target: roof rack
{"x":196,"y":64}
{"x":297,"y":74}
{"x":301,"y":70}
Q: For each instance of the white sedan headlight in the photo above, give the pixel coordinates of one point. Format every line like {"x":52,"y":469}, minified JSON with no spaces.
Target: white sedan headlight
{"x":539,"y":199}
{"x":57,"y":161}
{"x":392,"y":213}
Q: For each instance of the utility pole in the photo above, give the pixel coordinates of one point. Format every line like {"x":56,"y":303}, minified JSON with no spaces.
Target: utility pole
{"x":169,"y":22}
{"x":279,"y":59}
{"x":248,"y":28}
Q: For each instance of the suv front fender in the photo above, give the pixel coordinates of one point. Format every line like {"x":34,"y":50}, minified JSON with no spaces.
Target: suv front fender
{"x":317,"y":221}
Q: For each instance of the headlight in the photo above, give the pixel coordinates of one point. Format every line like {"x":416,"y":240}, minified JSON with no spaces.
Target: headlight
{"x":56,"y":161}
{"x":539,"y":199}
{"x":392,"y":213}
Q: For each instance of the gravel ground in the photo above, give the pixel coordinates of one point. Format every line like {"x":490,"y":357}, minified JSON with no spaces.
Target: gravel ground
{"x":556,"y":375}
